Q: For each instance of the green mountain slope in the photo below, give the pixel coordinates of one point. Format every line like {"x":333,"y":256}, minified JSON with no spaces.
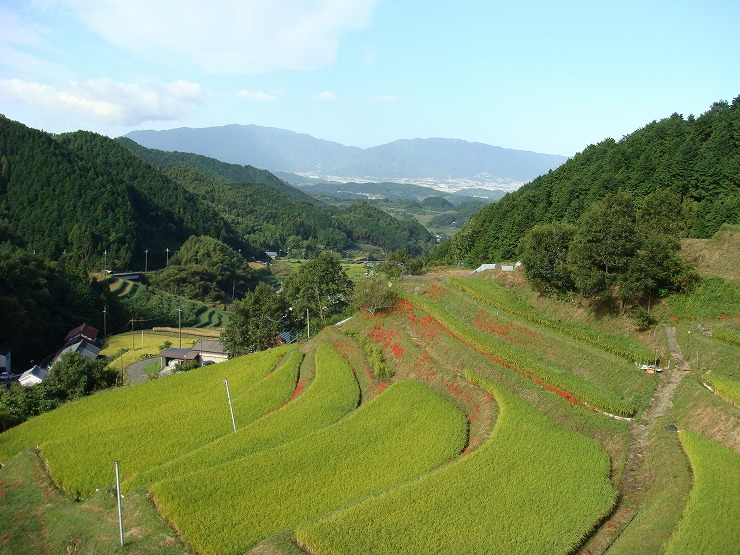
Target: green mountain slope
{"x":697,"y":158}
{"x":231,"y":173}
{"x":85,"y":192}
{"x":273,"y":215}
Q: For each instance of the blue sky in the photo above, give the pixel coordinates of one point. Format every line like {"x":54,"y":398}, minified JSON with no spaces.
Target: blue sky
{"x":548,"y":77}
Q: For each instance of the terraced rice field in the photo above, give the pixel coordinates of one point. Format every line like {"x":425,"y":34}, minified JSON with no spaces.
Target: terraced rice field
{"x":492,"y":501}
{"x":711,"y":522}
{"x":485,"y":433}
{"x":405,"y":432}
{"x":572,"y":368}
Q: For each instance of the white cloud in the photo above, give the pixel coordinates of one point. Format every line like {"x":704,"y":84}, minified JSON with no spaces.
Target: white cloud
{"x":257,"y":95}
{"x":327,"y":96}
{"x":227,"y":36}
{"x":384,"y":99}
{"x":106,"y":101}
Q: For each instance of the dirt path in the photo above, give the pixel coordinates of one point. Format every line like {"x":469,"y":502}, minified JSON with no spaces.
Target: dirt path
{"x":632,"y":486}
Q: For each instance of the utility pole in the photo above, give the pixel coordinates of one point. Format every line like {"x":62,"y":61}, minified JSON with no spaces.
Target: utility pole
{"x":231,"y":408}
{"x":179,"y":323}
{"x":146,"y":260}
{"x":167,"y":250}
{"x":133,"y":338}
{"x":118,"y":497}
{"x":308,"y":322}
{"x":105,"y":322}
{"x":105,"y":259}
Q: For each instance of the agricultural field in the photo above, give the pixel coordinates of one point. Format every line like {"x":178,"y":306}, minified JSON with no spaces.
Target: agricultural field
{"x":471,"y":418}
{"x":711,"y":522}
{"x":489,"y":502}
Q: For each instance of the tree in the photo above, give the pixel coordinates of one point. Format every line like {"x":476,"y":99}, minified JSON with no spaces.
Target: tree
{"x":320,"y":286}
{"x":374,"y":294}
{"x":603,"y":246}
{"x":255,"y":321}
{"x":205,"y":268}
{"x":544,"y":254}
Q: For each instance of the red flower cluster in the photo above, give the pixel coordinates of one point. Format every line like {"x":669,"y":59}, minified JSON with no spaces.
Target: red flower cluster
{"x":434,"y":292}
{"x":509,"y":331}
{"x":397,"y":350}
{"x":382,"y":335}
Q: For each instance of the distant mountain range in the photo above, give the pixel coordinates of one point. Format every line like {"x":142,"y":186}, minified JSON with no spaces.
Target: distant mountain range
{"x":443,"y":164}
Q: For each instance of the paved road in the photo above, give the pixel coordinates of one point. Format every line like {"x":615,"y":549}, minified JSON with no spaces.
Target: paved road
{"x":136,"y":372}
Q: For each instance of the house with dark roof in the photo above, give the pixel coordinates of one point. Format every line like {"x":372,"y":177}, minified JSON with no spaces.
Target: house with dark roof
{"x":82,"y":347}
{"x":204,"y":352}
{"x":85,"y":332}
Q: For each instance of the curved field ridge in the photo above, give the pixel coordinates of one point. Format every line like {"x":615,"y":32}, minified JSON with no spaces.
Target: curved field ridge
{"x":711,"y":521}
{"x":402,"y":433}
{"x":499,"y":297}
{"x":146,"y":424}
{"x":533,"y":487}
{"x":332,"y":394}
{"x":562,"y":381}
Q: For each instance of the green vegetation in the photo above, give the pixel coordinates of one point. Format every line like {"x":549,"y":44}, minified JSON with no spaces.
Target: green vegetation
{"x":727,"y":335}
{"x":492,"y":501}
{"x":710,"y":523}
{"x":332,"y":395}
{"x":285,"y":487}
{"x":205,"y":268}
{"x":724,"y":387}
{"x":71,"y":377}
{"x":576,"y":371}
{"x":501,"y":298}
{"x":81,"y":438}
{"x":712,"y":299}
{"x":691,"y":157}
{"x":56,"y":188}
{"x":320,"y":286}
{"x":39,"y":520}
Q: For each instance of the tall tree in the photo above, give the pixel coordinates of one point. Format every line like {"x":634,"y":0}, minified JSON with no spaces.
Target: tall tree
{"x":544,"y":254}
{"x":256,"y":321}
{"x":320,"y":286}
{"x":604,"y":245}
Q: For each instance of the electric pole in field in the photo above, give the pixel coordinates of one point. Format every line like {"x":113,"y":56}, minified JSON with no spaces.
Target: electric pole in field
{"x":179,"y":323}
{"x":231,"y":408}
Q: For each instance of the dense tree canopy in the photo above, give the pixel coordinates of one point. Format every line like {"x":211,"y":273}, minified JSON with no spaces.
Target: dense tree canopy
{"x":320,"y":286}
{"x":84,"y":193}
{"x":616,"y":252}
{"x":256,"y":321}
{"x":205,"y":269}
{"x":695,"y":159}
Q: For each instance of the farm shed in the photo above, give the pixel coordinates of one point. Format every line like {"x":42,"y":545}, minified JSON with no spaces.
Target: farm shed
{"x":172,"y":356}
{"x":210,"y":350}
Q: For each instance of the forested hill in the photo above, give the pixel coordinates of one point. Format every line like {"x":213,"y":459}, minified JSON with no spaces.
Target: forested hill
{"x":84,"y":192}
{"x":272,"y":214}
{"x":695,"y":158}
{"x":231,"y":173}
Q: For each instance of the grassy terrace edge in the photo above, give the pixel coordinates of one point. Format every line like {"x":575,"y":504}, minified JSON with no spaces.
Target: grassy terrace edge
{"x":614,"y":344}
{"x":569,"y":386}
{"x":442,"y":511}
{"x":711,"y":521}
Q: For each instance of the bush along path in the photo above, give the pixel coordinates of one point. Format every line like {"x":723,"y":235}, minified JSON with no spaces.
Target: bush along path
{"x":632,"y":485}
